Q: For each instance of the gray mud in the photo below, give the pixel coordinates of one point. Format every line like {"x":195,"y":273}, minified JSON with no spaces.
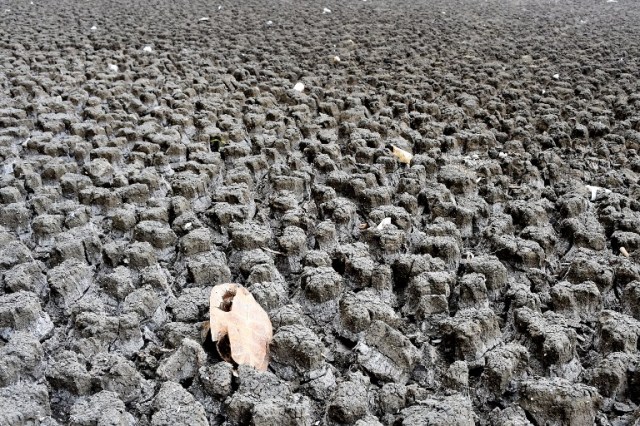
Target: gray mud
{"x":134,"y":179}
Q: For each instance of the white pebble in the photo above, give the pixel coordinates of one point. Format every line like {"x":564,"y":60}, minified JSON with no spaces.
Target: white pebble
{"x":203,"y":19}
{"x":94,"y":28}
{"x":386,"y":221}
{"x":556,"y":76}
{"x":336,"y":59}
{"x":326,"y":10}
{"x":113,"y":67}
{"x":269,"y":22}
{"x":299,"y":87}
{"x":148,"y":49}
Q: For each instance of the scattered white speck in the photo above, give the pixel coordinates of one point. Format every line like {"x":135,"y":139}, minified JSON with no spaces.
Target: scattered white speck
{"x":148,"y":49}
{"x":544,"y":91}
{"x":31,"y":3}
{"x":203,"y":19}
{"x":188,"y":226}
{"x":556,"y":76}
{"x":612,"y":1}
{"x":113,"y":67}
{"x":386,"y":221}
{"x":94,"y":28}
{"x":125,"y":261}
{"x":326,"y":10}
{"x":269,"y":22}
{"x":220,"y":7}
{"x":594,"y":191}
{"x":503,"y":155}
{"x":299,"y":87}
{"x":336,"y":59}
{"x":624,"y":252}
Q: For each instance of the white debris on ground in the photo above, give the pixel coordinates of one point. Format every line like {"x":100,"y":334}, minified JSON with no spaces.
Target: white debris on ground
{"x":594,"y":191}
{"x":113,"y":67}
{"x":326,"y":10}
{"x":386,"y":221}
{"x":299,"y":87}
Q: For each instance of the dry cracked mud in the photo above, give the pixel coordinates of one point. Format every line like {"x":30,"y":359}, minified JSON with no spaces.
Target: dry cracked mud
{"x":153,"y":149}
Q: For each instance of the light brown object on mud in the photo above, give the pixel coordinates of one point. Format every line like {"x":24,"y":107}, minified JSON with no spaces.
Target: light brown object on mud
{"x":236,"y":314}
{"x":403,"y":156}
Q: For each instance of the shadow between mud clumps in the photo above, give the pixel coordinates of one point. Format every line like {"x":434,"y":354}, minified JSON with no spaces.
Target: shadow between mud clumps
{"x":149,"y":154}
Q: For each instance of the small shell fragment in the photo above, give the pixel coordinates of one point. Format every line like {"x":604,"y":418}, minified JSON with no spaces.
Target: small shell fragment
{"x":624,"y":252}
{"x":299,"y":87}
{"x":403,"y":156}
{"x":203,"y":19}
{"x":386,"y":221}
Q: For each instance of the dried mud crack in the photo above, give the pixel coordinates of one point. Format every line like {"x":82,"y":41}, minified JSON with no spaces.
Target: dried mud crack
{"x":153,"y":149}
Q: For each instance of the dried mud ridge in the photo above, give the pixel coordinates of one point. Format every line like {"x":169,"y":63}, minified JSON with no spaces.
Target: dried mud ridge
{"x":134,"y":178}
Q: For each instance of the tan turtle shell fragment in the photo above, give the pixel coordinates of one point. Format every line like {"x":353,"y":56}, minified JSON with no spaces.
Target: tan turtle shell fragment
{"x":235,"y":314}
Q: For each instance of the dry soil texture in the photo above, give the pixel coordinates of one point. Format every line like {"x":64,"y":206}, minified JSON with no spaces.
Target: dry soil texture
{"x":153,"y":149}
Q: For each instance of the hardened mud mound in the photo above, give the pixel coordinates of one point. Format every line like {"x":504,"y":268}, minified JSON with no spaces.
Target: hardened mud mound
{"x":153,"y":149}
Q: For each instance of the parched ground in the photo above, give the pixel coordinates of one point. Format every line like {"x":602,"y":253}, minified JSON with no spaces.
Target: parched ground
{"x":152,"y":149}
